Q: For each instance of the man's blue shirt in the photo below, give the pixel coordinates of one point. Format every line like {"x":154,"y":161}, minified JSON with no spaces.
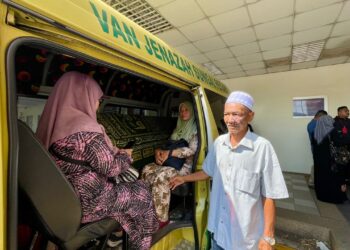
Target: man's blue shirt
{"x":311,"y":128}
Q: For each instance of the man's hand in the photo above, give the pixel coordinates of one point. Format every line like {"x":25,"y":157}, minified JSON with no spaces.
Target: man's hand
{"x":176,"y":181}
{"x":264,"y":245}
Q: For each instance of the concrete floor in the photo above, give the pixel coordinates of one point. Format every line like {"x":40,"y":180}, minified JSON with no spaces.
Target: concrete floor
{"x":318,"y":220}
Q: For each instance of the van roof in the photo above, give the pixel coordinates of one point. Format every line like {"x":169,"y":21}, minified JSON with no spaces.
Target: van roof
{"x":101,"y":23}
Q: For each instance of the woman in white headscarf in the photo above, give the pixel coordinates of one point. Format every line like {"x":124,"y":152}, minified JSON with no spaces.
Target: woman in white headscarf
{"x":329,"y":180}
{"x":158,"y":176}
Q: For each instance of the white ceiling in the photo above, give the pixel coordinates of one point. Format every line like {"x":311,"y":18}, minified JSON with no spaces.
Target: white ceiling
{"x":253,"y":37}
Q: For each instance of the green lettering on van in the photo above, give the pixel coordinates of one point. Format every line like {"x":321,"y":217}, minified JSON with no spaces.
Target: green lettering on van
{"x":171,"y":58}
{"x":155,"y":49}
{"x":160,"y":52}
{"x":177,"y":62}
{"x":189,"y":68}
{"x":183,"y":66}
{"x":131,"y":35}
{"x":103,"y":22}
{"x":148,"y":46}
{"x":128,"y":34}
{"x":164,"y":54}
{"x":117,"y":31}
{"x":196,"y":72}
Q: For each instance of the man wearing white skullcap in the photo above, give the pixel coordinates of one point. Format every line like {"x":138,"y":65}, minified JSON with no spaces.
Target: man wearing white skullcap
{"x":242,"y":98}
{"x":246,"y":178}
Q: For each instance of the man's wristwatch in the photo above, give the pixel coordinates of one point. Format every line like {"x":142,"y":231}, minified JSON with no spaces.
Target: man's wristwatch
{"x":269,"y":240}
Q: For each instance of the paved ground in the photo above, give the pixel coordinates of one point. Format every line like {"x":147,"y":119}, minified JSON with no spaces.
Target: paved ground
{"x":300,"y":196}
{"x":305,"y":220}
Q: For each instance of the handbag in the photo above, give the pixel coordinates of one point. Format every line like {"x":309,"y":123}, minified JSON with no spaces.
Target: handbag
{"x":130,"y":175}
{"x":340,"y":154}
{"x":173,"y":161}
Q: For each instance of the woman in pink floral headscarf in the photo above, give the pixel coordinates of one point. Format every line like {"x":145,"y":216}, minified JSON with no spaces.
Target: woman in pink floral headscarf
{"x":69,"y":130}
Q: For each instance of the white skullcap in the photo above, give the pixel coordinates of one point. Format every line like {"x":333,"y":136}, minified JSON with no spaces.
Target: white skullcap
{"x":241,"y":98}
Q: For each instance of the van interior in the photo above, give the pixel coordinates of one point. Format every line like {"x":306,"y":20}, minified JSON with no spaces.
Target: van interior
{"x":134,"y":108}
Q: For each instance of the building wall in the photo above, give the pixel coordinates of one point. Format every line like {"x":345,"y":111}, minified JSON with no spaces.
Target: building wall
{"x":273,"y":94}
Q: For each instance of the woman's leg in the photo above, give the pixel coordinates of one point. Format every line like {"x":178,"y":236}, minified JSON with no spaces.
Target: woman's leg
{"x":132,"y":206}
{"x":149,"y":173}
{"x":161,"y":191}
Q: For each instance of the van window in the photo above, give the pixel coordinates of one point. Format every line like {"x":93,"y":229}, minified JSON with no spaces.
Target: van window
{"x":217,"y":103}
{"x":29,"y":110}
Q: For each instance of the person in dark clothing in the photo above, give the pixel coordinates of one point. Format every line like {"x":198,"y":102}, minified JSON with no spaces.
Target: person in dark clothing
{"x":342,"y":121}
{"x":312,"y":124}
{"x":329,"y":183}
{"x":342,"y":128}
{"x":310,"y":130}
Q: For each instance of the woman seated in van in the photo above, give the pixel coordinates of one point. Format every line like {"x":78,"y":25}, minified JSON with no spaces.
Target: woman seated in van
{"x":157,"y":174}
{"x":69,"y":130}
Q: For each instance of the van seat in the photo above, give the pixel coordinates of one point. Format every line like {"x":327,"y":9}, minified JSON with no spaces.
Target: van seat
{"x":147,"y":132}
{"x":52,"y":200}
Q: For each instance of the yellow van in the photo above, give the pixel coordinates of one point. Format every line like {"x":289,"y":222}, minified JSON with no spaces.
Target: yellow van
{"x":143,"y":80}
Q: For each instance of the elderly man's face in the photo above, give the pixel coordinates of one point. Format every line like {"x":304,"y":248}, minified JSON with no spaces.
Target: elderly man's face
{"x":237,"y":117}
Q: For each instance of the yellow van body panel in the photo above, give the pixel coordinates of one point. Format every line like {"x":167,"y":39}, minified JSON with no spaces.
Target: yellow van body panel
{"x":3,"y":156}
{"x":182,"y":238}
{"x":201,"y":192}
{"x":99,"y":22}
{"x":4,"y":146}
